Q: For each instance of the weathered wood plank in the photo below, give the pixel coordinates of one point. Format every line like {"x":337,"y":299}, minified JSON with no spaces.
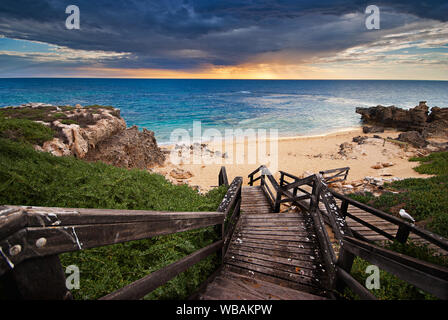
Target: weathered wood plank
{"x":64,"y":238}
{"x":12,"y":219}
{"x":292,"y":244}
{"x":142,"y":287}
{"x":287,"y":283}
{"x":303,"y":261}
{"x":273,"y":272}
{"x":277,"y":251}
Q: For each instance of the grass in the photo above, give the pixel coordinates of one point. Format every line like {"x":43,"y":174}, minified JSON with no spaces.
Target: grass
{"x":28,"y":177}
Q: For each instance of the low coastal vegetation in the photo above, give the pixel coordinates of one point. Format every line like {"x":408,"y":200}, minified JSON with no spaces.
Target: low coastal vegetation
{"x":48,"y":114}
{"x":28,"y":177}
{"x":427,"y":201}
{"x":23,"y":130}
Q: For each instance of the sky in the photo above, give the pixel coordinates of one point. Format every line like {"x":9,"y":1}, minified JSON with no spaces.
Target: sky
{"x":225,"y":39}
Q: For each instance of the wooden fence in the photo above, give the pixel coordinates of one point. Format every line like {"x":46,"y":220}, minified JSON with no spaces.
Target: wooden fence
{"x":308,"y":192}
{"x":31,"y":238}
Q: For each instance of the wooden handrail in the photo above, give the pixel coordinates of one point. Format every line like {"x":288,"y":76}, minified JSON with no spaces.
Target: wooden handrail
{"x":439,"y":241}
{"x":231,"y":201}
{"x":340,"y":172}
{"x":426,"y":276}
{"x":51,"y":231}
{"x":32,"y":237}
{"x":143,"y":286}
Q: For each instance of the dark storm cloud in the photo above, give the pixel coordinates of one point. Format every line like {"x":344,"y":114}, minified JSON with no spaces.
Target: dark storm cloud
{"x":181,"y":34}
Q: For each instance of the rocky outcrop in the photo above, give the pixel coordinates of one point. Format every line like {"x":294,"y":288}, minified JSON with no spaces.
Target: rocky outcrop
{"x":404,"y":120}
{"x":84,"y":129}
{"x":93,"y":133}
{"x":429,"y":124}
{"x":437,"y":122}
{"x":421,"y":128}
{"x":373,"y":129}
{"x":414,"y":138}
{"x":129,"y":148}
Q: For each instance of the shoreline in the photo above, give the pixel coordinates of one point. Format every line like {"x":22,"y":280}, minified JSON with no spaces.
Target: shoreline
{"x":309,"y":154}
{"x":280,"y":137}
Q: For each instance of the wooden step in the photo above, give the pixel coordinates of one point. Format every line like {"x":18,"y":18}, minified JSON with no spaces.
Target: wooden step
{"x":232,"y":286}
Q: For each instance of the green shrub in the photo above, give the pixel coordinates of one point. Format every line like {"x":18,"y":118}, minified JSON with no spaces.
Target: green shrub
{"x":69,"y":121}
{"x":435,"y":163}
{"x":23,"y":130}
{"x":35,"y":178}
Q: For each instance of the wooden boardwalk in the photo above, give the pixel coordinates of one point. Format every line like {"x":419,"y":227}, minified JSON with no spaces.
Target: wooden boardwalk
{"x":271,"y":256}
{"x":266,"y":254}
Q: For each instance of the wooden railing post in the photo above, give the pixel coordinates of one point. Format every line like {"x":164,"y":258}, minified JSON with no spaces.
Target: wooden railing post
{"x":402,"y":234}
{"x":39,"y":279}
{"x":222,"y":177}
{"x":345,"y":262}
{"x":314,"y":202}
{"x":344,"y":207}
{"x":278,"y":198}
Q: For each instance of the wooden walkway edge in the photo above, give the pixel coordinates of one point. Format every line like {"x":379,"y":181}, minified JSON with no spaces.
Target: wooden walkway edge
{"x":271,"y":256}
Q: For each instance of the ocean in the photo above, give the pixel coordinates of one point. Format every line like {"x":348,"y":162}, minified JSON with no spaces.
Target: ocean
{"x":293,"y":107}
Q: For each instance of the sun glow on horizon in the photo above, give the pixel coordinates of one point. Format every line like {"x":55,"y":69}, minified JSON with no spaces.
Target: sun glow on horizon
{"x":266,"y":71}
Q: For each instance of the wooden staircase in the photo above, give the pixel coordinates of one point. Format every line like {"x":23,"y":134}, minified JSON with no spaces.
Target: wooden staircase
{"x":271,"y":256}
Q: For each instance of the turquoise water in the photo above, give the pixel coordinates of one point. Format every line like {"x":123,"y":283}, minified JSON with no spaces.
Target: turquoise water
{"x":302,"y":107}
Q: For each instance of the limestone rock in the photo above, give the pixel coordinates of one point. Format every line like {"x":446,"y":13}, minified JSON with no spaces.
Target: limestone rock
{"x":129,"y":148}
{"x":377,"y":166}
{"x":180,"y":174}
{"x":387,"y":164}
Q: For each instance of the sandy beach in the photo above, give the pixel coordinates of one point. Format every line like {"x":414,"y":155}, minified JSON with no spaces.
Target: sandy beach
{"x":309,"y":154}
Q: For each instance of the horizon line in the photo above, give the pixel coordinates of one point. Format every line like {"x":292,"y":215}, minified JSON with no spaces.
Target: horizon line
{"x":243,"y":79}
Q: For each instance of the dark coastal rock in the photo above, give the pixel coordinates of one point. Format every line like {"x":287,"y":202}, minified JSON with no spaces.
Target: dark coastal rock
{"x":360,"y":139}
{"x":414,"y":138}
{"x":412,"y":119}
{"x":373,"y":129}
{"x":437,"y":122}
{"x":129,"y":148}
{"x":417,"y":119}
